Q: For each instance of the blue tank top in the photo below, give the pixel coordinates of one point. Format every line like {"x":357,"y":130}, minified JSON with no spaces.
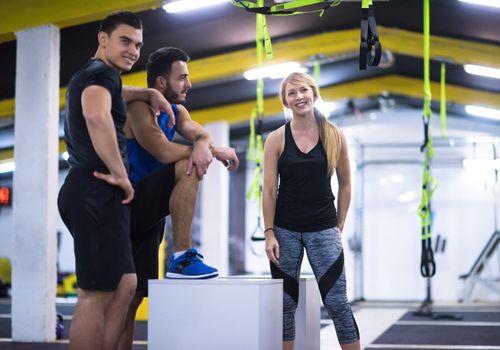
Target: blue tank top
{"x":141,"y":162}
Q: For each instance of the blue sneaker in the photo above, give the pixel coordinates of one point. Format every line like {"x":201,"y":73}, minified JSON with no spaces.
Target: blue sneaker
{"x":190,"y":265}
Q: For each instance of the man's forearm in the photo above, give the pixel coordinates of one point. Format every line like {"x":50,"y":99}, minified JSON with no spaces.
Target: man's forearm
{"x":133,"y":93}
{"x":204,"y":136}
{"x":103,"y":137}
{"x":174,"y":153}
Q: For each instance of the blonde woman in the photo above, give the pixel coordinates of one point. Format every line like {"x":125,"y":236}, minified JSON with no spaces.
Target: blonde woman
{"x":302,"y":156}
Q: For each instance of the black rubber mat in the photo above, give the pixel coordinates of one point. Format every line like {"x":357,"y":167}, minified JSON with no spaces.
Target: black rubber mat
{"x":467,"y":316}
{"x":440,"y":335}
{"x":455,"y":347}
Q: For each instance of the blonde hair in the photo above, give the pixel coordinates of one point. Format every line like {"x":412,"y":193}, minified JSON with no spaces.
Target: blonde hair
{"x":329,"y":134}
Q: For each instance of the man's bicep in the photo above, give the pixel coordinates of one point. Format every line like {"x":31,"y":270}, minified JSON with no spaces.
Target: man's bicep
{"x":186,"y":126}
{"x":146,"y":131}
{"x":95,"y":100}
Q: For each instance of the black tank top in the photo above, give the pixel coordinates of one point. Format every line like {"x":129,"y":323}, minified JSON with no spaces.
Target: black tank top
{"x":305,"y":200}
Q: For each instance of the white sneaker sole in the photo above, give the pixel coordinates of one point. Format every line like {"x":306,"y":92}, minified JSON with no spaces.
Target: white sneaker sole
{"x":178,"y":276}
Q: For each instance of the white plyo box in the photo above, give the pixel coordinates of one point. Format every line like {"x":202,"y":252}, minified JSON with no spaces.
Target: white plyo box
{"x":307,"y":315}
{"x":215,"y":314}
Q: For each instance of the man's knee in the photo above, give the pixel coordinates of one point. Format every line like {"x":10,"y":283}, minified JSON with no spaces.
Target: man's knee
{"x":126,"y":287}
{"x":181,"y":172}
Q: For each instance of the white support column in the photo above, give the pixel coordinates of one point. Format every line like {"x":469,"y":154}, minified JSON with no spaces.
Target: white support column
{"x":215,"y":206}
{"x":35,"y":184}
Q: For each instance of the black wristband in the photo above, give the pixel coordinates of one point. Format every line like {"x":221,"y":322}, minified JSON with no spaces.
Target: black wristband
{"x":269,"y":229}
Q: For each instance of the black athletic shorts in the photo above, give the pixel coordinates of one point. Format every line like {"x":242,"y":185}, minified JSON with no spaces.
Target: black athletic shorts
{"x":148,"y":211}
{"x":100,"y":226}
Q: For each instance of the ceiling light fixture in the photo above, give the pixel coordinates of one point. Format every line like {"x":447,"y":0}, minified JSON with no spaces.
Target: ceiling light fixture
{"x":7,"y":166}
{"x":492,"y":3}
{"x":489,"y":72}
{"x":483,"y":112}
{"x":187,"y":5}
{"x":275,"y":71}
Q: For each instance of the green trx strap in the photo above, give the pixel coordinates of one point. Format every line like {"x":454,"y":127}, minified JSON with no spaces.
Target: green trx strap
{"x":256,"y":147}
{"x":317,"y":70}
{"x":442,"y":108}
{"x":254,"y":192}
{"x":429,"y":184}
{"x":288,"y":8}
{"x":284,"y":9}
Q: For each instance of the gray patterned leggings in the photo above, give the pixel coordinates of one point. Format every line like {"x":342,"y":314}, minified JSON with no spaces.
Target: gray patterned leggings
{"x":325,"y":253}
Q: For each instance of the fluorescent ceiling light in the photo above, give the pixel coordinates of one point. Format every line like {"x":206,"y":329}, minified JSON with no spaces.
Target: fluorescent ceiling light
{"x":489,"y":72}
{"x":275,"y":71}
{"x":7,"y":166}
{"x":492,"y":3}
{"x":65,"y":155}
{"x":187,"y":5}
{"x":483,"y":112}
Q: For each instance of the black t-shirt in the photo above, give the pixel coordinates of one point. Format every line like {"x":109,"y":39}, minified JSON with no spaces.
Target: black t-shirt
{"x":76,"y":135}
{"x":305,"y":200}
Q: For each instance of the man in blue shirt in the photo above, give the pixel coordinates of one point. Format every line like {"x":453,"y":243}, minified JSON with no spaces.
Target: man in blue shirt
{"x":166,"y":176}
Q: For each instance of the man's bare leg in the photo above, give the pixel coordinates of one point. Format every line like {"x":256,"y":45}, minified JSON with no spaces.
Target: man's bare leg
{"x":127,"y":337}
{"x":98,"y":314}
{"x":117,"y":311}
{"x":182,"y":205}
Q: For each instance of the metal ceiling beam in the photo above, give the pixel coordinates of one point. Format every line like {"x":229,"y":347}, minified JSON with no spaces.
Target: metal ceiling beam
{"x":19,"y":15}
{"x":392,"y":84}
{"x":333,"y":44}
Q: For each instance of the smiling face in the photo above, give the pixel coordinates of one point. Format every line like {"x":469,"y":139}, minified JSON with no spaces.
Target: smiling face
{"x":298,"y":92}
{"x":299,"y":97}
{"x":121,"y":49}
{"x":177,"y":83}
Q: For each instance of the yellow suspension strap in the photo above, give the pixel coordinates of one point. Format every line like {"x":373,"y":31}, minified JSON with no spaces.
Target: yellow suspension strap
{"x":254,"y":193}
{"x":316,"y":69}
{"x":256,"y":147}
{"x":289,"y":8}
{"x":429,"y":184}
{"x":370,"y":49}
{"x":442,"y":109}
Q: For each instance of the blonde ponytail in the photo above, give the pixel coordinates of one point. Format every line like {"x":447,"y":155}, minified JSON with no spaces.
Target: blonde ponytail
{"x":329,"y":135}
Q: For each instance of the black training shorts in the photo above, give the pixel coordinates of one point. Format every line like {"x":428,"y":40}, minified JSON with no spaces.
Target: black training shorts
{"x":100,"y":226}
{"x":148,"y":211}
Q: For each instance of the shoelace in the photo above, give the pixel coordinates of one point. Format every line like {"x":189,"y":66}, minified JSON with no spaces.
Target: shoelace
{"x":193,"y":255}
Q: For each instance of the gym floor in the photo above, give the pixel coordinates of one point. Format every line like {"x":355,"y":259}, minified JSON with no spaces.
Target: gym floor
{"x":382,"y":326}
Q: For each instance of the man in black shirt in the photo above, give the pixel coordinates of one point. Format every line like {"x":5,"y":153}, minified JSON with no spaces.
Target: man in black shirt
{"x":93,"y":202}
